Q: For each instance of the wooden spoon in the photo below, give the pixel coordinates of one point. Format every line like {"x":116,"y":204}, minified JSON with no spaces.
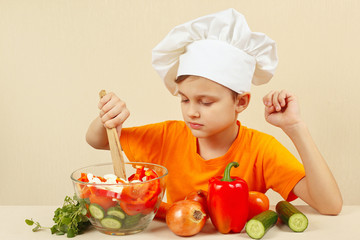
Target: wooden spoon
{"x":115,"y":148}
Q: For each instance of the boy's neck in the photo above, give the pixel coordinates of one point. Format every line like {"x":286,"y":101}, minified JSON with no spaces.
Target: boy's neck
{"x":217,"y":145}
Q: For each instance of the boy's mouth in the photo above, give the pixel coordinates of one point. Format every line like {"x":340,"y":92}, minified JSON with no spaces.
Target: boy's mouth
{"x":195,"y":126}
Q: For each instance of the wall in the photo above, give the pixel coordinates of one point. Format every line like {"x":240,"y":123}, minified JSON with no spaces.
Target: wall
{"x":55,"y":56}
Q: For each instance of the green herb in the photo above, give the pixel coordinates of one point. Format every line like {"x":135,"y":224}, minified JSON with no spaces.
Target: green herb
{"x":37,"y":227}
{"x":70,"y":219}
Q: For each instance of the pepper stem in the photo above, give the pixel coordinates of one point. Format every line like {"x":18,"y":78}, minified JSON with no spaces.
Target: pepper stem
{"x":226,"y":177}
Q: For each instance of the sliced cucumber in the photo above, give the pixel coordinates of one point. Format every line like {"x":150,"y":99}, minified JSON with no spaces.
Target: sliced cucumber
{"x":131,"y":221}
{"x":291,"y":216}
{"x":111,"y":222}
{"x":96,"y":211}
{"x":116,"y":211}
{"x":260,"y":224}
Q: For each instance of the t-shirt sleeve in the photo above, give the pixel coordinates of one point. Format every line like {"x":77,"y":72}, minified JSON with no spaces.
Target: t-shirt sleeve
{"x":282,"y":171}
{"x":144,"y":143}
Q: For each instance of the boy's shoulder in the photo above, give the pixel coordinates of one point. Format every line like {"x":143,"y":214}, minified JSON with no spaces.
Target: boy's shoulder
{"x":175,"y":123}
{"x":176,"y":126}
{"x":172,"y":126}
{"x":172,"y":129}
{"x":254,"y":136}
{"x":163,"y":124}
{"x":169,"y":124}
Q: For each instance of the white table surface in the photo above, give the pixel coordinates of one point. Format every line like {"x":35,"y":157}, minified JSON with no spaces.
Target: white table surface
{"x":344,"y":226}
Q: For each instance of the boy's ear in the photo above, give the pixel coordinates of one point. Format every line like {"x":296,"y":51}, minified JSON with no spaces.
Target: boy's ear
{"x":242,"y":101}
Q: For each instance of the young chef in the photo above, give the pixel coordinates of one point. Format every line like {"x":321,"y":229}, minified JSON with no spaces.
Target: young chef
{"x":210,"y":63}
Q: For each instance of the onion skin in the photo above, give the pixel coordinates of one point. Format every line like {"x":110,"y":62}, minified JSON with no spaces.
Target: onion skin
{"x":186,"y":218}
{"x":201,"y":197}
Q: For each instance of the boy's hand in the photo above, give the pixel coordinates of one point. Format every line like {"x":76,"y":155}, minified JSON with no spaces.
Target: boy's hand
{"x":281,"y":109}
{"x":113,"y":111}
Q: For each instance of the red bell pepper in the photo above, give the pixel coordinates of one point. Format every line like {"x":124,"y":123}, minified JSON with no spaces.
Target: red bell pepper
{"x":150,"y":174}
{"x":228,"y":201}
{"x":140,"y":173}
{"x":84,"y":190}
{"x":83,"y":178}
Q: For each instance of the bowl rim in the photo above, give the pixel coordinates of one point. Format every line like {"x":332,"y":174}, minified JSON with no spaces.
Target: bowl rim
{"x":130,"y":183}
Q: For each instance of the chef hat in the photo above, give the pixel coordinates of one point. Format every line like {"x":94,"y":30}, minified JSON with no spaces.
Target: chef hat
{"x":219,"y":47}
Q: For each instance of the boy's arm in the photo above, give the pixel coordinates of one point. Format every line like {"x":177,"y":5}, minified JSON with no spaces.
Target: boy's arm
{"x":113,"y":113}
{"x":318,"y":188}
{"x":96,"y":135}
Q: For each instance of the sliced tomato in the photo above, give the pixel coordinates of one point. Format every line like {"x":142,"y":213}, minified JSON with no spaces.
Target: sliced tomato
{"x":104,"y":193}
{"x":137,"y":207}
{"x":141,"y":192}
{"x":136,"y":191}
{"x":104,"y":202}
{"x":132,"y":209}
{"x":150,"y":204}
{"x":85,"y":191}
{"x":140,"y":197}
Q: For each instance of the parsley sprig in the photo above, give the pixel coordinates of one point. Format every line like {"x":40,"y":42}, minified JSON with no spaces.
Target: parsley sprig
{"x":70,"y":219}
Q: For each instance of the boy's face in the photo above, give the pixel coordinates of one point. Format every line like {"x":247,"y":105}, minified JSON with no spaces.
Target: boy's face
{"x":208,"y":108}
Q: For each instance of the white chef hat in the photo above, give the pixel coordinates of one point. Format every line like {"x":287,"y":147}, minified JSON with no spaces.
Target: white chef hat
{"x":219,"y":47}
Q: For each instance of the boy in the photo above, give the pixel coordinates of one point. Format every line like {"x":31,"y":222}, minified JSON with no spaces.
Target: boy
{"x":210,"y":63}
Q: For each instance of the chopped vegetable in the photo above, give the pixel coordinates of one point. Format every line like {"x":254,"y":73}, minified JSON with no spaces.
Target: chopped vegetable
{"x":131,"y":221}
{"x":111,"y":222}
{"x":117,"y":212}
{"x":104,"y":202}
{"x":96,"y":211}
{"x":260,"y":224}
{"x":140,"y":173}
{"x":291,"y":216}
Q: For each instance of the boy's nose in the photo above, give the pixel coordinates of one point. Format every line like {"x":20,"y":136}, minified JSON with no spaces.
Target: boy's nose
{"x":193,"y":112}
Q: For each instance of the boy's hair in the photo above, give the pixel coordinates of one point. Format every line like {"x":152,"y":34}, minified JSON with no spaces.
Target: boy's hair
{"x":183,"y":77}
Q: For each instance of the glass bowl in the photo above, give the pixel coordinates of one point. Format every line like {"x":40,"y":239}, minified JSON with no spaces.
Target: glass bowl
{"x":125,"y":207}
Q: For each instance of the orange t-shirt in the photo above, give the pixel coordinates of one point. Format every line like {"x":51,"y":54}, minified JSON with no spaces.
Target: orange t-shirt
{"x":264,"y":162}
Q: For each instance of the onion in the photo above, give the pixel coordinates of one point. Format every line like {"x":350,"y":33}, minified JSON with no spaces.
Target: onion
{"x":199,"y":196}
{"x":186,"y":218}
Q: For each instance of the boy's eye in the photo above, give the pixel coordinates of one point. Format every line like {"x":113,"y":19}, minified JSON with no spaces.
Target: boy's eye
{"x":184,"y":100}
{"x":206,"y":103}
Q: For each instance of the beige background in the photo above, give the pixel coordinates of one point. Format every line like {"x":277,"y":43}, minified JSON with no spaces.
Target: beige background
{"x":55,"y":56}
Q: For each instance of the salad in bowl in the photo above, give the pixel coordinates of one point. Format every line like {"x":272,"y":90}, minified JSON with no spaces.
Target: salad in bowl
{"x":118,"y":206}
